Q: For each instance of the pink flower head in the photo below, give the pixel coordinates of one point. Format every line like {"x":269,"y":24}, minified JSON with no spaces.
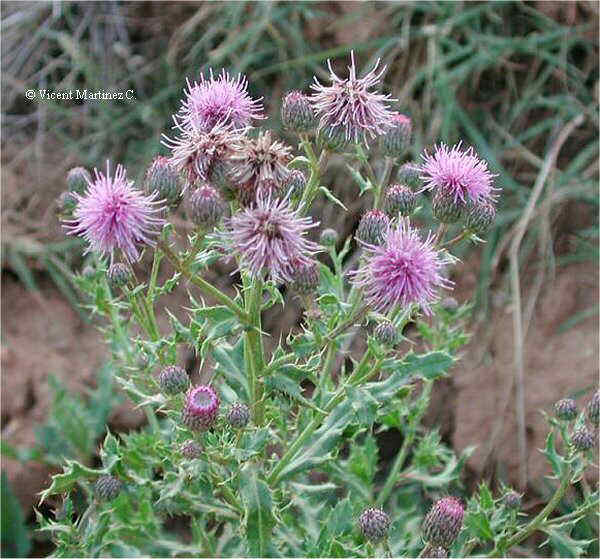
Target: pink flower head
{"x":458,"y":172}
{"x":219,"y":100}
{"x":348,"y":106}
{"x":443,"y":522}
{"x":201,"y":408}
{"x":271,"y":236}
{"x":403,"y":270}
{"x":112,"y":214}
{"x":196,"y":150}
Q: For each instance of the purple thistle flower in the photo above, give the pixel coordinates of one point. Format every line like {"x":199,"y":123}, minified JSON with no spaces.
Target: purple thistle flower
{"x":403,"y":270}
{"x":458,"y":173}
{"x":196,"y":150}
{"x":112,"y":214}
{"x":221,"y":100}
{"x":201,"y":408}
{"x":270,"y":236}
{"x":348,"y":105}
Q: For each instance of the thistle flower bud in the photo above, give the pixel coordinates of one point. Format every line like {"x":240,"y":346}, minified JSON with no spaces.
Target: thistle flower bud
{"x":400,"y":199}
{"x":78,"y":179}
{"x":173,"y":380}
{"x":449,"y":304}
{"x":566,"y":409}
{"x":582,"y":439}
{"x":332,"y":138}
{"x":66,"y":203}
{"x":329,"y":237}
{"x":118,"y":274}
{"x":305,"y":277}
{"x":163,"y":178}
{"x":397,"y":138}
{"x":205,"y":207}
{"x":446,"y":208}
{"x":295,"y":184}
{"x":480,"y":216}
{"x":373,"y":227}
{"x":443,"y":522}
{"x":386,"y":334}
{"x":201,"y":408}
{"x":220,"y":176}
{"x":190,"y":450}
{"x":374,"y":524}
{"x":238,"y":415}
{"x":297,"y":113}
{"x":512,"y":500}
{"x":408,"y":174}
{"x":107,"y":488}
{"x":593,"y":409}
{"x":434,"y":551}
{"x":88,"y":272}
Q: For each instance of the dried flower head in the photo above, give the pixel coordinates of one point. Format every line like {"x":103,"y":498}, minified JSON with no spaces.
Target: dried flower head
{"x":270,"y":237}
{"x":403,"y":270}
{"x":113,"y":215}
{"x":443,"y":522}
{"x":195,"y":151}
{"x":458,"y":172}
{"x":348,"y":105}
{"x":259,"y":166}
{"x":220,"y":100}
{"x":566,"y":409}
{"x":374,"y":524}
{"x":201,"y":408}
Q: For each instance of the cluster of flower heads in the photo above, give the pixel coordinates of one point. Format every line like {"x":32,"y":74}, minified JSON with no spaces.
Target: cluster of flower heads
{"x":215,"y":158}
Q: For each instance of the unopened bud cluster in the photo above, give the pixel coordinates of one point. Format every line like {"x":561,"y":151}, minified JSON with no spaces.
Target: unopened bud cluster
{"x":582,"y":439}
{"x":400,"y":200}
{"x":512,"y":500}
{"x":305,"y":278}
{"x":593,"y":409}
{"x":118,"y":274}
{"x":191,"y":450}
{"x":78,"y":180}
{"x":386,"y":334}
{"x":297,"y":113}
{"x":397,"y":138}
{"x":161,"y":177}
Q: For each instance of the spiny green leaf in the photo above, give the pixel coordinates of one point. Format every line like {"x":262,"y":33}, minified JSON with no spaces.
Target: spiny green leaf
{"x":259,"y":515}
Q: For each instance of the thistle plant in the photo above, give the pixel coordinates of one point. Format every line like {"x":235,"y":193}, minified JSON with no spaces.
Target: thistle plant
{"x":274,"y":451}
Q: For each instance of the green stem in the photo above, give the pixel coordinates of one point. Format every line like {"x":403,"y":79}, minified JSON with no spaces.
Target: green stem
{"x":255,"y":358}
{"x":403,"y":452}
{"x":456,"y":239}
{"x":203,"y":284}
{"x":355,"y":316}
{"x":539,"y":519}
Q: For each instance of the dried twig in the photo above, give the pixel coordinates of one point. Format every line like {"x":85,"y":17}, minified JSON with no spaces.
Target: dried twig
{"x":521,"y":228}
